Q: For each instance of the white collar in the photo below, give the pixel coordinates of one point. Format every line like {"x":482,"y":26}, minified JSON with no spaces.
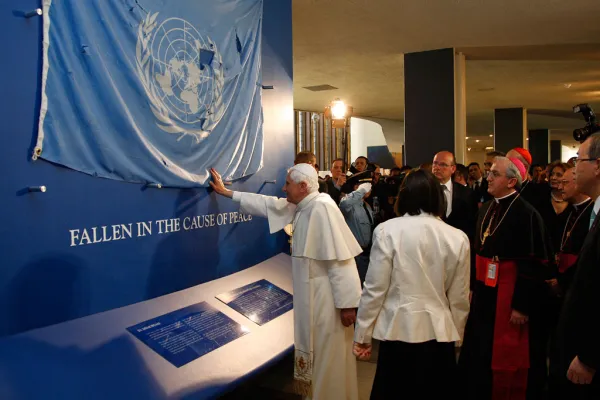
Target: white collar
{"x":504,"y":197}
{"x":448,"y":185}
{"x":307,"y":200}
{"x":581,"y":203}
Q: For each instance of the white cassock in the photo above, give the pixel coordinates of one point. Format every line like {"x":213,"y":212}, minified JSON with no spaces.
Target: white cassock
{"x":325,"y":280}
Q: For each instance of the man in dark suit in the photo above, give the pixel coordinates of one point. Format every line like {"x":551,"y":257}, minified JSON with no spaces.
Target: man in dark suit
{"x":578,"y":342}
{"x":461,"y":206}
{"x":478,"y":183}
{"x":338,"y":179}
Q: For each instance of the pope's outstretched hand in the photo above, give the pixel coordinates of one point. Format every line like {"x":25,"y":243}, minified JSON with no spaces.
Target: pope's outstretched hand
{"x":218,"y":185}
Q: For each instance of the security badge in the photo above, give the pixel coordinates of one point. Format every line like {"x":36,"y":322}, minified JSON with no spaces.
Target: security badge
{"x":491,"y":277}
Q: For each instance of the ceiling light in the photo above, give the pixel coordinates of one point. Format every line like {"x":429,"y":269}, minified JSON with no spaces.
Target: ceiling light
{"x":567,"y":85}
{"x":491,"y":135}
{"x":489,"y":148}
{"x":469,"y":149}
{"x":527,"y":138}
{"x":338,"y":109}
{"x":467,"y":138}
{"x":477,"y":141}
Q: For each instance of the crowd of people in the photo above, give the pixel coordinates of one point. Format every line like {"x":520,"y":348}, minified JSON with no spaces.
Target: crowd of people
{"x":499,"y":263}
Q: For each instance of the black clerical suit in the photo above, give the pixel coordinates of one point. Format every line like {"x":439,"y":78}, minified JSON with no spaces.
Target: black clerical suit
{"x":577,"y":333}
{"x":536,"y":194}
{"x":494,"y":349}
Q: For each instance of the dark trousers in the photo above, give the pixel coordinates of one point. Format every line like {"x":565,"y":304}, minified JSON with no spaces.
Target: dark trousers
{"x":427,"y":369}
{"x":362,"y":264}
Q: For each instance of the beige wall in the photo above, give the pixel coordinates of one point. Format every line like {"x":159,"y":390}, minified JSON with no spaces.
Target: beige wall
{"x":475,"y":156}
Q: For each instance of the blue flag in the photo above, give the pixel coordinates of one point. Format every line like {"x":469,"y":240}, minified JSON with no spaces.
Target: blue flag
{"x":152,"y":91}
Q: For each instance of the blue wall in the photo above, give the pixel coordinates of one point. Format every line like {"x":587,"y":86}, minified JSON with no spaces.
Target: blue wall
{"x":43,"y":280}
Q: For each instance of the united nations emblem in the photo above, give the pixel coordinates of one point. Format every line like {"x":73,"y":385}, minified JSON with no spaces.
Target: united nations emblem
{"x":182,"y":73}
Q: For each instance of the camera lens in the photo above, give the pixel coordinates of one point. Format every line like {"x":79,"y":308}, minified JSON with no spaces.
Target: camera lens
{"x":580,"y":134}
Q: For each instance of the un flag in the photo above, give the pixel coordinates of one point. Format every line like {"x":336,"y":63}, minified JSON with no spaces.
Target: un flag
{"x":159,"y":92}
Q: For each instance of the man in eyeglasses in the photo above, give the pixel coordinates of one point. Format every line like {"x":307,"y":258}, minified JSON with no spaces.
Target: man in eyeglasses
{"x":461,"y":206}
{"x":568,"y":239}
{"x":512,"y":254}
{"x":577,"y":334}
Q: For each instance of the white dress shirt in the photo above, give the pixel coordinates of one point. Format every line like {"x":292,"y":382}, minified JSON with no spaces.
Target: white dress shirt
{"x":417,"y":284}
{"x":447,"y":188}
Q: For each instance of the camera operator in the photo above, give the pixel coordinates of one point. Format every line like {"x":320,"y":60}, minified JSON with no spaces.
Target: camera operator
{"x":360,"y":218}
{"x":360,"y":165}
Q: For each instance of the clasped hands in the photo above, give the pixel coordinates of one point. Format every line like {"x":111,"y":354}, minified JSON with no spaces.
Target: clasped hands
{"x":362,"y":351}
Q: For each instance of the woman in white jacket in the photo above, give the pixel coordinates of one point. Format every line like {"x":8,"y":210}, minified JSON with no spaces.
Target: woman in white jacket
{"x":416,"y":295}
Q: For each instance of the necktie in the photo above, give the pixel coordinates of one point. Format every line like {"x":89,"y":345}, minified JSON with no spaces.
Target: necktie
{"x":592,"y":218}
{"x":448,"y":200}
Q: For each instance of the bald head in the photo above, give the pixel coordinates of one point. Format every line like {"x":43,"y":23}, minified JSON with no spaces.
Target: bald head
{"x":444,"y":166}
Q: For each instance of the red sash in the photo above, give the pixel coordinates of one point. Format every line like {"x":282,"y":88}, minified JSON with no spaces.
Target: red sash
{"x":566,"y":261}
{"x":510,"y":351}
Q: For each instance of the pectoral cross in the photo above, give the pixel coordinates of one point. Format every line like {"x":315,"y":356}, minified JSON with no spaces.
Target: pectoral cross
{"x":485,"y":235}
{"x":487,"y":230}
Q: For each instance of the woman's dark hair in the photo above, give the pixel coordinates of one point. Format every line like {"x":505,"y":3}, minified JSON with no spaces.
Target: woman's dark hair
{"x":420,"y":191}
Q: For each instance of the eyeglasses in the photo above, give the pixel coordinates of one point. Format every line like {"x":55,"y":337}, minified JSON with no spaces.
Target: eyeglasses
{"x":440,"y":164}
{"x":577,"y":160}
{"x":495,"y":174}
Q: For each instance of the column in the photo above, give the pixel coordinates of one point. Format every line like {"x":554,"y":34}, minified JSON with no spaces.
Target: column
{"x":539,"y":145}
{"x":510,"y":128}
{"x":555,"y":150}
{"x":435,"y":106}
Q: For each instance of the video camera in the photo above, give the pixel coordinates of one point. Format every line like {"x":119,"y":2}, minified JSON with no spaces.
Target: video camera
{"x":591,"y":126}
{"x":391,"y":185}
{"x":358,"y":177}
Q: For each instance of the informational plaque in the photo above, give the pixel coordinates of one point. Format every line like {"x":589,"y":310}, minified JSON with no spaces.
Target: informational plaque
{"x":184,"y":335}
{"x":260,"y":301}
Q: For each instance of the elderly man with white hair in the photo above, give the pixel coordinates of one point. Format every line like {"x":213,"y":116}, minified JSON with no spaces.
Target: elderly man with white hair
{"x":501,"y":356}
{"x":325,"y":280}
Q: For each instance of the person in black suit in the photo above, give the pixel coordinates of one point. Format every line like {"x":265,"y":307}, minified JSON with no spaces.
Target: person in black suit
{"x":461,"y":206}
{"x":478,"y":183}
{"x":338,"y":179}
{"x":577,"y":341}
{"x":461,"y":175}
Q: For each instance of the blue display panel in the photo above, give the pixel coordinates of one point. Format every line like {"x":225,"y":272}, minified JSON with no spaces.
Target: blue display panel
{"x":260,"y":301}
{"x":184,"y":335}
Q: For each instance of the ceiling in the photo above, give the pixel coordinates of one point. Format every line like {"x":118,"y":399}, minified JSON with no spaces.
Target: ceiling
{"x":543,"y":55}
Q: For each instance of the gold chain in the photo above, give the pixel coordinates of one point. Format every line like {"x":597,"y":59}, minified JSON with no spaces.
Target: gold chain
{"x":483,"y":236}
{"x":564,"y":240}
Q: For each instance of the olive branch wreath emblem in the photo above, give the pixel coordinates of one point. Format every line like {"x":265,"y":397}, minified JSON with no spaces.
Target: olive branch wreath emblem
{"x":161,"y":112}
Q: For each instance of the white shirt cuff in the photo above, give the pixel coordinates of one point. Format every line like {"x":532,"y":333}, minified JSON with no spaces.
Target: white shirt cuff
{"x":237,"y":197}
